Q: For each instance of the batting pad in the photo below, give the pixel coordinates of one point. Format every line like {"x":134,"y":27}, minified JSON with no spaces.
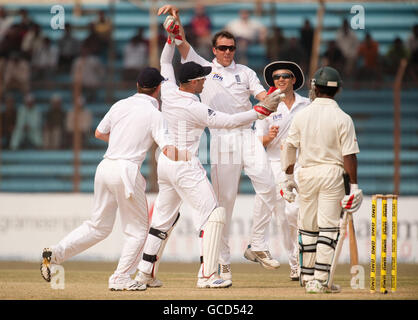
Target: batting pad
{"x":307,"y":254}
{"x":212,"y":232}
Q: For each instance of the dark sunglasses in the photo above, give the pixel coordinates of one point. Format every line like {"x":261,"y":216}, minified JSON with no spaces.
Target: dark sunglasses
{"x":224,"y":48}
{"x":283,"y":75}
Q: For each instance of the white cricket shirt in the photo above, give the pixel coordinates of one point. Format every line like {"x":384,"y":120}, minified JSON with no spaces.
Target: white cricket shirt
{"x":227,"y":89}
{"x":323,"y":133}
{"x":134,"y":123}
{"x":186,"y":116}
{"x":281,"y":118}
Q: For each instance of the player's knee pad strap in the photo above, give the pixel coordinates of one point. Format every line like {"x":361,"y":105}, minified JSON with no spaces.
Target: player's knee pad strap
{"x":211,"y":240}
{"x":307,"y":250}
{"x":158,"y":248}
{"x":327,"y":241}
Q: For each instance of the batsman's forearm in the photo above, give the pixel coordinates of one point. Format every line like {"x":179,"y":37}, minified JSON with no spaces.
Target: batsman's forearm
{"x":350,"y":167}
{"x":183,"y":47}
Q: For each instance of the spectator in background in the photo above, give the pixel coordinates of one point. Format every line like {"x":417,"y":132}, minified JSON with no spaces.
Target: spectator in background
{"x":69,"y":48}
{"x":396,"y":52}
{"x":44,"y":60}
{"x":135,"y":56}
{"x":8,"y":120}
{"x":103,"y":27}
{"x":333,"y":56}
{"x":5,"y":23}
{"x":28,"y":127}
{"x":306,"y":41}
{"x":84,"y":122}
{"x":368,"y":54}
{"x":17,"y":73}
{"x":247,"y":31}
{"x":25,"y":21}
{"x":54,"y":124}
{"x":32,"y":40}
{"x":201,"y":29}
{"x":293,"y":51}
{"x":276,"y":41}
{"x":88,"y":69}
{"x":412,"y":44}
{"x":93,"y":41}
{"x":348,"y":43}
{"x":12,"y":41}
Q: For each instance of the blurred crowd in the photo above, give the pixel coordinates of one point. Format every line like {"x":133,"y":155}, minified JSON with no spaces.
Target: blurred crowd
{"x":28,"y":57}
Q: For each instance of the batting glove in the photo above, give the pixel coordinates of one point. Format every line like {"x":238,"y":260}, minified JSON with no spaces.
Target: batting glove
{"x":269,"y":104}
{"x":351,"y":203}
{"x":286,"y":188}
{"x":173,"y":29}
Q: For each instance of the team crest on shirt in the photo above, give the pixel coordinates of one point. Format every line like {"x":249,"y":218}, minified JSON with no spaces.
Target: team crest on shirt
{"x":211,"y":113}
{"x":277,"y":116}
{"x":217,"y":76}
{"x":237,"y":78}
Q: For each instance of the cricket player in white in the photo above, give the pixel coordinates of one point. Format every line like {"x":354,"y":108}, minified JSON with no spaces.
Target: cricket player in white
{"x":130,"y":127}
{"x":187,"y":180}
{"x":326,"y":139}
{"x":228,"y":89}
{"x":288,"y":77}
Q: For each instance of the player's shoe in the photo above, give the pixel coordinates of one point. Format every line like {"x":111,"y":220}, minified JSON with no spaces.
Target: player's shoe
{"x":125,"y":282}
{"x":294,"y":274}
{"x":213,"y":282}
{"x":262,"y":257}
{"x":316,"y":286}
{"x":224,"y":271}
{"x":46,"y":264}
{"x":147,"y":279}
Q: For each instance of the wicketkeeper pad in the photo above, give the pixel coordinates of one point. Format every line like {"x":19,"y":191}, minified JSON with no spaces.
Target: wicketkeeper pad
{"x":211,"y":237}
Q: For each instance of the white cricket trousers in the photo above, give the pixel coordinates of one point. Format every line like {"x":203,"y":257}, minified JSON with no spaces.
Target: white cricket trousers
{"x":109,"y":195}
{"x":179,"y":181}
{"x":286,"y":215}
{"x":321,"y":188}
{"x":229,"y":154}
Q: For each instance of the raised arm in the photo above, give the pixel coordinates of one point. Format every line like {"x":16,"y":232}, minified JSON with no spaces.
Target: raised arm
{"x":166,"y":61}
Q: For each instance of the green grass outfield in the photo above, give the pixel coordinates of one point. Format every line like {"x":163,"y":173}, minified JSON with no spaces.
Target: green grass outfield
{"x":88,"y":281}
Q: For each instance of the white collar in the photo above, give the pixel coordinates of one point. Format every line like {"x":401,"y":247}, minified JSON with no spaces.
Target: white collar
{"x":187,"y":94}
{"x":218,"y":65}
{"x":154,"y":101}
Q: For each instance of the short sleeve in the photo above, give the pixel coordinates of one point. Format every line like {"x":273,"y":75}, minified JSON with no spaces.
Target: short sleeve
{"x":293,"y":136}
{"x":348,"y":139}
{"x":255,"y":85}
{"x":105,"y":124}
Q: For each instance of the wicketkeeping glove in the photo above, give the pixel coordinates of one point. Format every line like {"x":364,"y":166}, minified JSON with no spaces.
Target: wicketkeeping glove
{"x":286,"y":188}
{"x":269,"y":104}
{"x":172,"y":27}
{"x":351,"y":203}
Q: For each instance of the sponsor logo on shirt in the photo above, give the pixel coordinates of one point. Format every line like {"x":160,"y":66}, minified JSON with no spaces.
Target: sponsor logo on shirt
{"x":217,"y":76}
{"x":277,"y":116}
{"x":211,"y":113}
